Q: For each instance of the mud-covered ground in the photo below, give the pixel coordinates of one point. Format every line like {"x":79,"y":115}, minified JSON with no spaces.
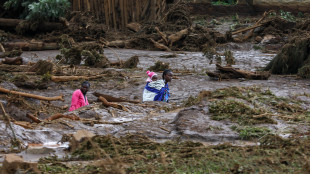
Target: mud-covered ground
{"x":243,"y":118}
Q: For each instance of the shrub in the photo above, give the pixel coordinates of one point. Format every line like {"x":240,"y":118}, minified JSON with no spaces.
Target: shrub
{"x":47,"y":10}
{"x":38,"y":10}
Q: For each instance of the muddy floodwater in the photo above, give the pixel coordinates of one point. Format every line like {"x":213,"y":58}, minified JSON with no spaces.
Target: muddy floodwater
{"x":159,"y":121}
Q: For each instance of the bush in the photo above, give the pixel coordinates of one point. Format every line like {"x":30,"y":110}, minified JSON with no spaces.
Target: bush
{"x":47,"y":10}
{"x":18,"y":7}
{"x":38,"y":10}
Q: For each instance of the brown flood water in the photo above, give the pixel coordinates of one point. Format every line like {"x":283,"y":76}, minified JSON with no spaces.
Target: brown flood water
{"x":155,"y":123}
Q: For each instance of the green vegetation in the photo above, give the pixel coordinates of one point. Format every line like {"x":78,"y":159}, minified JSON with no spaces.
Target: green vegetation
{"x":159,"y":66}
{"x":138,"y":154}
{"x":38,"y":10}
{"x":304,"y":72}
{"x":224,"y":2}
{"x":292,"y":57}
{"x":287,"y":16}
{"x":237,"y":112}
{"x":229,"y":58}
{"x":249,"y":132}
{"x":249,"y":105}
{"x":257,"y":47}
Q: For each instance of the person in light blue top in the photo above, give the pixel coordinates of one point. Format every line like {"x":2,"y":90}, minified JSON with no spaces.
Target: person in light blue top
{"x":158,"y":90}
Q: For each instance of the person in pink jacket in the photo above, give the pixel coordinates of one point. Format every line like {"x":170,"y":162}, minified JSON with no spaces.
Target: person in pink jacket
{"x":79,"y":98}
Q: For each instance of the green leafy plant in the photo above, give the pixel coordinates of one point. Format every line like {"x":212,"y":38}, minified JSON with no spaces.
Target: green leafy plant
{"x":38,"y":10}
{"x":47,"y":10}
{"x":247,"y":132}
{"x":224,"y":2}
{"x":18,"y":6}
{"x":287,"y":15}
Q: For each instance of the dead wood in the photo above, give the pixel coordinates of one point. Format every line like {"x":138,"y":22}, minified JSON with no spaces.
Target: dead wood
{"x":23,"y":124}
{"x":119,"y":63}
{"x":91,"y":121}
{"x":7,"y":119}
{"x":117,"y":43}
{"x":31,"y":95}
{"x":26,"y":83}
{"x":178,"y":36}
{"x":44,"y":26}
{"x":165,"y":129}
{"x":114,"y":99}
{"x":163,"y":36}
{"x":58,"y":116}
{"x":134,"y":26}
{"x":257,"y":24}
{"x":110,"y":104}
{"x":13,"y":61}
{"x":73,"y":78}
{"x":246,"y":29}
{"x":218,"y":75}
{"x":33,"y":118}
{"x":67,"y":124}
{"x":1,"y":48}
{"x":12,"y":53}
{"x":14,"y":68}
{"x":236,"y":73}
{"x":31,"y":46}
{"x":159,"y":45}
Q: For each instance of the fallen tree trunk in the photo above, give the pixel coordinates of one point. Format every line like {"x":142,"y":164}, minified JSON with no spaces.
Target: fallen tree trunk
{"x":31,"y":95}
{"x":72,"y":78}
{"x":177,"y":36}
{"x":218,"y":75}
{"x":163,"y":36}
{"x":117,"y":43}
{"x":159,"y":45}
{"x":44,"y":26}
{"x":13,"y":61}
{"x":114,"y":99}
{"x":236,"y":73}
{"x":14,"y":68}
{"x":31,"y":46}
{"x":110,"y":104}
{"x":12,"y":53}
